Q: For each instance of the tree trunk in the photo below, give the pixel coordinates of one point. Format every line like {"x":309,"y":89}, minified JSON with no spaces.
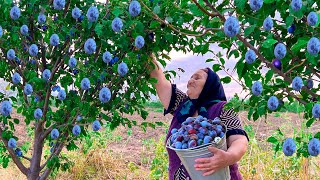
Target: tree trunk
{"x":34,"y":170}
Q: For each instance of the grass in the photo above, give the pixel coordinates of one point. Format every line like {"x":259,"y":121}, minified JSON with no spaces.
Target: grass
{"x":260,"y":162}
{"x":154,"y":106}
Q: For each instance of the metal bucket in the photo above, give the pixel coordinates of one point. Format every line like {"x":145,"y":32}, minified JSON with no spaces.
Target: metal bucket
{"x":188,"y":157}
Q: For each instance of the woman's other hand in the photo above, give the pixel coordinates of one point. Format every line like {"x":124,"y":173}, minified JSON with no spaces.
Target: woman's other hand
{"x":210,"y":165}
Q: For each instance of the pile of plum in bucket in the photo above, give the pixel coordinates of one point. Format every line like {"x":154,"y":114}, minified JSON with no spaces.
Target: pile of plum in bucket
{"x":197,"y":131}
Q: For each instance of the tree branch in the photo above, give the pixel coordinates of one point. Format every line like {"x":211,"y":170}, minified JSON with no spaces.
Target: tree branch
{"x":15,"y":159}
{"x":294,"y":67}
{"x":56,"y":152}
{"x":294,"y":96}
{"x":156,"y":17}
{"x":24,"y":157}
{"x":66,"y":8}
{"x":262,"y":58}
{"x":48,"y":170}
{"x":205,"y":11}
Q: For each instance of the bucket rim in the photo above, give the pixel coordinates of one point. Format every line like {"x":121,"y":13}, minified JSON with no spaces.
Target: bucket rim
{"x":197,"y":147}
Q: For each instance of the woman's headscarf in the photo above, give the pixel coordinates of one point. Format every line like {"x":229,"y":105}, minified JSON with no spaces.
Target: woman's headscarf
{"x":211,"y":94}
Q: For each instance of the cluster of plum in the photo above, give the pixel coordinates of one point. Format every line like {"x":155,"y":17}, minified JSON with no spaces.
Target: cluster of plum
{"x":197,"y":131}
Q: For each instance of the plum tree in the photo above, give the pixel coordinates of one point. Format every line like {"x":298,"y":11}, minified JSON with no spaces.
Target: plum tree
{"x":164,"y":26}
{"x":297,"y":83}
{"x":291,"y":29}
{"x":122,"y":69}
{"x":280,"y":51}
{"x":76,"y":130}
{"x":38,"y":113}
{"x":313,"y":46}
{"x":90,"y":46}
{"x":16,"y":78}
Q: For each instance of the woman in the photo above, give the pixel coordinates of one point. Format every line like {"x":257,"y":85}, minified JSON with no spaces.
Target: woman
{"x":205,"y":96}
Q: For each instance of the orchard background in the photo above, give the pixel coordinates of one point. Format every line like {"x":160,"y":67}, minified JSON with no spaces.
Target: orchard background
{"x":80,"y":70}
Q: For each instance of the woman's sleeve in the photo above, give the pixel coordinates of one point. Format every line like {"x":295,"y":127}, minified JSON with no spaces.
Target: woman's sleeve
{"x":176,"y":98}
{"x":232,"y":121}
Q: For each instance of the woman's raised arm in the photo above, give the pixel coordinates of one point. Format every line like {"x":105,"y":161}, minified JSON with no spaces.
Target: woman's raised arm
{"x":163,"y":86}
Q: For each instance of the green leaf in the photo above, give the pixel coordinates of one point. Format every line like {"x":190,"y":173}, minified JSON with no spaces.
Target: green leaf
{"x":268,"y":1}
{"x":279,"y":131}
{"x":195,"y":10}
{"x":249,"y":30}
{"x":152,"y":125}
{"x":8,"y":1}
{"x":302,"y":43}
{"x":289,"y":21}
{"x":216,"y":67}
{"x":154,"y":24}
{"x":99,"y":29}
{"x":261,"y":110}
{"x":268,"y":43}
{"x":5,"y":161}
{"x":160,"y":123}
{"x":72,"y":146}
{"x":269,"y":76}
{"x":240,"y":3}
{"x":317,"y":135}
{"x":250,"y":113}
{"x":310,"y":121}
{"x":139,"y":27}
{"x":226,"y":79}
{"x":234,"y":52}
{"x":144,"y":114}
{"x":169,"y":19}
{"x":272,"y":140}
{"x":16,"y":121}
{"x":156,"y":9}
{"x":116,"y":12}
{"x":66,"y":80}
{"x":169,"y":37}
